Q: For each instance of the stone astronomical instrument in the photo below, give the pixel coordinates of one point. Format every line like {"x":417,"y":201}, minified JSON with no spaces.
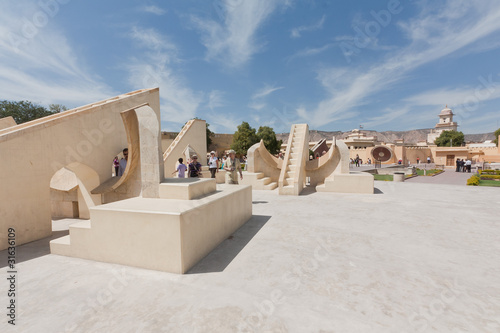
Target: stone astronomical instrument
{"x":381,"y":154}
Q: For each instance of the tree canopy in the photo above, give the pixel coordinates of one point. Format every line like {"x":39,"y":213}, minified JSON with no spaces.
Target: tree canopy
{"x":456,"y":138}
{"x":24,"y":111}
{"x":497,"y":133}
{"x":244,"y":138}
{"x":267,"y":134}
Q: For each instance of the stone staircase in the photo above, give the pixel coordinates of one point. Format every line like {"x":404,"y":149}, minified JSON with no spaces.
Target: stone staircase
{"x":178,"y":138}
{"x":292,"y":176}
{"x":171,"y":233}
{"x":259,"y":181}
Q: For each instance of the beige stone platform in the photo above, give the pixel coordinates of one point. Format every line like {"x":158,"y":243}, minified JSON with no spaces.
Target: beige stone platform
{"x":353,"y":182}
{"x":161,"y":234}
{"x":186,"y":188}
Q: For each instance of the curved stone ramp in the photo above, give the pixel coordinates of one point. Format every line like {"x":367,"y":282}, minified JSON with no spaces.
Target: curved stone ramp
{"x":142,"y":128}
{"x":336,"y":174}
{"x":263,"y":169}
{"x":32,"y":152}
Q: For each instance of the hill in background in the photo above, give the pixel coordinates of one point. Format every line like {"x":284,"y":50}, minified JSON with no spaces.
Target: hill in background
{"x":412,"y":136}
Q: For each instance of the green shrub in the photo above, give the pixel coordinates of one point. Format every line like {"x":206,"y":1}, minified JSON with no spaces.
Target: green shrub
{"x":473,"y":181}
{"x":489,"y":172}
{"x":490,"y":176}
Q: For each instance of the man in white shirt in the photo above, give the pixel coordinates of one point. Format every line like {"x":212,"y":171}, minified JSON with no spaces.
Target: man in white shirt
{"x":213,"y":164}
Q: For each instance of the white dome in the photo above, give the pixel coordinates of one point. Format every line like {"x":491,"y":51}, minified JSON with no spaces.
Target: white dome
{"x":446,"y":111}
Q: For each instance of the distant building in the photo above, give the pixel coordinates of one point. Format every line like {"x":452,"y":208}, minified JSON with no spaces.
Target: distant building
{"x":445,"y":123}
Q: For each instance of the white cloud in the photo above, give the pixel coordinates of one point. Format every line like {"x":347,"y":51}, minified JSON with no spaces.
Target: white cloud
{"x":296,"y":32}
{"x":153,"y":40}
{"x":222,"y":123}
{"x":258,"y":98}
{"x":487,"y":89}
{"x":265,"y":91}
{"x":309,"y":52}
{"x":387,"y":116}
{"x":178,"y":102}
{"x":432,"y":35}
{"x":233,"y":41}
{"x":215,"y":99}
{"x":39,"y":64}
{"x":257,"y":106}
{"x":154,"y":10}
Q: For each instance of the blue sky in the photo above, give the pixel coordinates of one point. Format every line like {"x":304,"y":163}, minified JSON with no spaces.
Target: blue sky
{"x":386,"y":65}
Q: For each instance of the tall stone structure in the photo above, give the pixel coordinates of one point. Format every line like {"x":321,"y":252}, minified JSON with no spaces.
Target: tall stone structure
{"x":445,"y":123}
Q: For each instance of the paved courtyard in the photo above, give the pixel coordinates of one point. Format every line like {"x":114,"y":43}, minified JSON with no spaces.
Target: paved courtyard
{"x":449,"y":177}
{"x":411,"y":258}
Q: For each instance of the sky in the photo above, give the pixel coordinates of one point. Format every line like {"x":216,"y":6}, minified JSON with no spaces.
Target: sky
{"x":336,"y":65}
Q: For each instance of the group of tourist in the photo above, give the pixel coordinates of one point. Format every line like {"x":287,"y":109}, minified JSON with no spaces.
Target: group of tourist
{"x":463,"y":166}
{"x":121,"y":164}
{"x":230,"y":164}
{"x":358,"y":161}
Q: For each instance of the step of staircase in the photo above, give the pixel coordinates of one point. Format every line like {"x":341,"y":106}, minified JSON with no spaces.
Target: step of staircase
{"x":271,"y":186}
{"x":61,"y":246}
{"x":265,"y":180}
{"x":80,"y":232}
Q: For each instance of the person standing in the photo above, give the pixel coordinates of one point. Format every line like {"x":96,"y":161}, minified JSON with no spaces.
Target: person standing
{"x":418,"y":160}
{"x":116,"y":164}
{"x":468,"y":165}
{"x":356,"y":160}
{"x":428,"y":159}
{"x":458,"y":165}
{"x":232,"y":166}
{"x":194,"y":167}
{"x":181,"y":169}
{"x":123,"y":162}
{"x":213,"y":164}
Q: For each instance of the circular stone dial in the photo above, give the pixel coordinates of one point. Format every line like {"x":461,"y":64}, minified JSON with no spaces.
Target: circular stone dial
{"x":382,"y":154}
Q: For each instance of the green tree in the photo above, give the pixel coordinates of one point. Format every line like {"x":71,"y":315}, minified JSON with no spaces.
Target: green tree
{"x":210,"y":134}
{"x":455,"y":137}
{"x":267,"y":134}
{"x":23,"y":111}
{"x":57,"y":108}
{"x":497,"y":133}
{"x":244,"y":138}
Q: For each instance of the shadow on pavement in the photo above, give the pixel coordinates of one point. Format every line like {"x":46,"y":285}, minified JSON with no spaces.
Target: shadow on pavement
{"x":223,"y":255}
{"x":32,"y":250}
